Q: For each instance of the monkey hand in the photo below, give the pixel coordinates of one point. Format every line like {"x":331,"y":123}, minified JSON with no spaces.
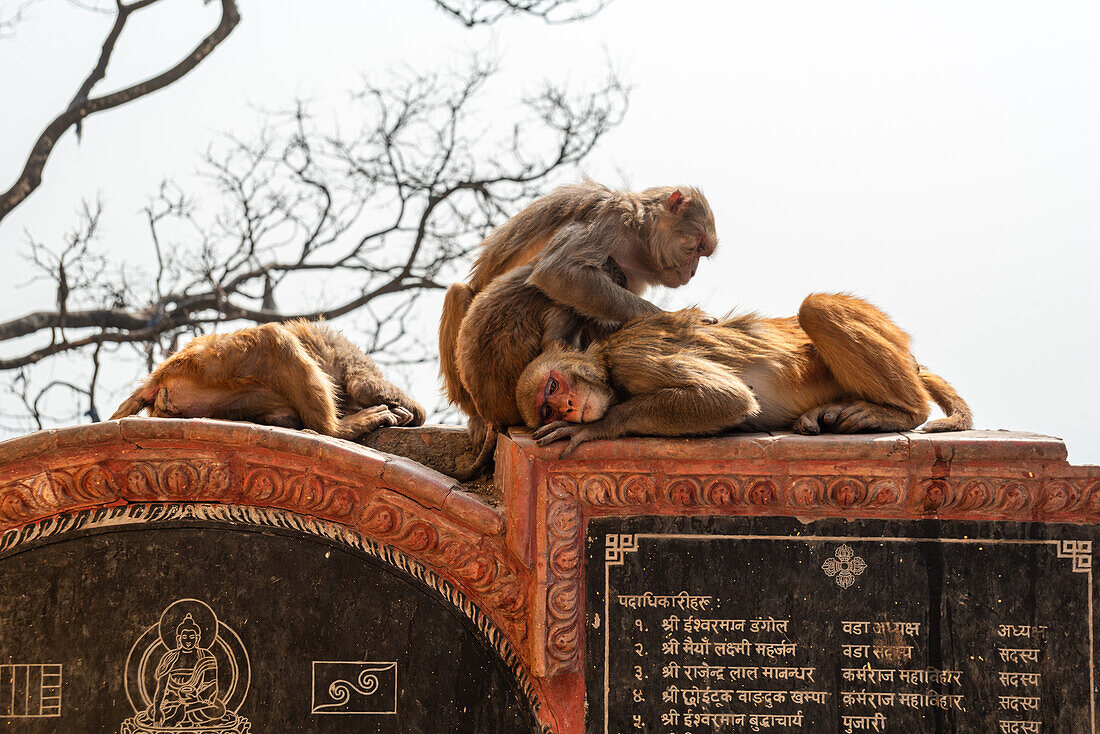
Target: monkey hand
{"x":577,"y":433}
{"x":404,"y":416}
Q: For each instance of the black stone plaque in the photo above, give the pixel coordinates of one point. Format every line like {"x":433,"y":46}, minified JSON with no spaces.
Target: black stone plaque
{"x":187,"y":625}
{"x":834,"y":626}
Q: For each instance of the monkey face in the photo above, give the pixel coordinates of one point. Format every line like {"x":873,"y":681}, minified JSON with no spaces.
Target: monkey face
{"x":687,"y":234}
{"x":693,"y":249}
{"x":562,"y":385}
{"x":566,"y":397}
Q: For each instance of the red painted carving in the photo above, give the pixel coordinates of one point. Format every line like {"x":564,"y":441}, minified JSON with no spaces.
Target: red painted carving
{"x":526,"y":572}
{"x":242,"y":464}
{"x":564,"y":593}
{"x":963,"y":476}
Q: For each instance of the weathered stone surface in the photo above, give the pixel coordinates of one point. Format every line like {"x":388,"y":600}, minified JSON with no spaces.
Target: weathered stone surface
{"x":296,"y":627}
{"x":446,"y":449}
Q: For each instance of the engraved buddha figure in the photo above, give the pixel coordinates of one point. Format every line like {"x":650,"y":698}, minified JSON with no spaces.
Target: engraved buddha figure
{"x":187,"y":682}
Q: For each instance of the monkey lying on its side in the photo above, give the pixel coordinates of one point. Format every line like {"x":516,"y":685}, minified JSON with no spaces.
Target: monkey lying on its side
{"x":297,"y":374}
{"x":840,"y":366}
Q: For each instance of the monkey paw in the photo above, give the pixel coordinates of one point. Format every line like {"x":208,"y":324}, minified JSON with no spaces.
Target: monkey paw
{"x":836,"y":418}
{"x":852,"y":417}
{"x":369,"y":419}
{"x":556,"y":431}
{"x":404,"y":416}
{"x":577,"y":433}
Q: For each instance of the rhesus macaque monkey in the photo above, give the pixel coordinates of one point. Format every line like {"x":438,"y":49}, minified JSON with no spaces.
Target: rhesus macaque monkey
{"x":298,"y":374}
{"x":592,"y":251}
{"x":840,"y":366}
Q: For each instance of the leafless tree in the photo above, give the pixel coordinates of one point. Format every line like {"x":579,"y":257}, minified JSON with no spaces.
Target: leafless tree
{"x":83,"y":104}
{"x":310,"y":222}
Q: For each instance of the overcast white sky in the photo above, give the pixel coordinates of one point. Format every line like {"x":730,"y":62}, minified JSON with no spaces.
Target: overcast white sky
{"x":938,"y":158}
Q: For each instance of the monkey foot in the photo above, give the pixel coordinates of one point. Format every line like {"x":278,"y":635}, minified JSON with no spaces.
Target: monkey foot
{"x":854,"y":417}
{"x":163,"y":407}
{"x":371,"y":419}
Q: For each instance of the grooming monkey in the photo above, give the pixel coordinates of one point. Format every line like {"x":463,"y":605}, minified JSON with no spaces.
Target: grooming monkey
{"x":298,"y":374}
{"x":591,"y":251}
{"x":840,"y":366}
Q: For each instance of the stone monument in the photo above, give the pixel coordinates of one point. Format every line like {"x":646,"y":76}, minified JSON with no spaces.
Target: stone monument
{"x":207,"y":577}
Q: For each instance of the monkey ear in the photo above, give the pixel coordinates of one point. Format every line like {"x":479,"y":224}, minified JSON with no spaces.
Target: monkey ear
{"x":678,"y":203}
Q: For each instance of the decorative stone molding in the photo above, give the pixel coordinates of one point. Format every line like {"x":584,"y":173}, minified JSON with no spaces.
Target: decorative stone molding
{"x":972,"y":475}
{"x":398,"y":502}
{"x":564,"y":595}
{"x":520,"y":576}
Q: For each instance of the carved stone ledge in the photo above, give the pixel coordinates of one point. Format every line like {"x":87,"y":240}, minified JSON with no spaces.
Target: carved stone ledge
{"x":969,"y":475}
{"x":391,"y":499}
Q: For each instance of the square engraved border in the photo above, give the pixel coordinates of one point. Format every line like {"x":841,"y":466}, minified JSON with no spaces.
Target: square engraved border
{"x":50,"y":679}
{"x":1078,"y":552}
{"x":313,"y":688}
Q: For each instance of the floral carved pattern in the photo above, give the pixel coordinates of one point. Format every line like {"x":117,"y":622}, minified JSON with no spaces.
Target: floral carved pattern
{"x":992,"y":496}
{"x":64,"y":488}
{"x":494,"y":580}
{"x":563,"y":592}
{"x":305,"y":492}
{"x":175,"y":479}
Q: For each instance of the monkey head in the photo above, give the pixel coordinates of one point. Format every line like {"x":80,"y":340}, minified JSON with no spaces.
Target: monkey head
{"x":683,"y":233}
{"x":563,"y":384}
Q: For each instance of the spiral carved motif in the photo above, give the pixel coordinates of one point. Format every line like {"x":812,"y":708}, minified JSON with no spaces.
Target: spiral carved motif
{"x":762,"y":492}
{"x":684,"y":492}
{"x":975,"y":495}
{"x":617,"y":490}
{"x":992,"y":496}
{"x":808,"y":491}
{"x":722,"y":492}
{"x":496,"y":582}
{"x":884,"y":493}
{"x":846,"y":492}
{"x":563,"y":592}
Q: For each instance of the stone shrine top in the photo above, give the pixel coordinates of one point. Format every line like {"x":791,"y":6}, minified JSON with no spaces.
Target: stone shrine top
{"x":518,"y":556}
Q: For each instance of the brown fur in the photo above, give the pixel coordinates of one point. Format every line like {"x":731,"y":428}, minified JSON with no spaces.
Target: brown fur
{"x":841,"y":366}
{"x":588,"y":251}
{"x":506,"y":327}
{"x":295,"y":374}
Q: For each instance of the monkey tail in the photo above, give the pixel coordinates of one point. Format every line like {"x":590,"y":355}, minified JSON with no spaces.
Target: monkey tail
{"x":484,"y":456}
{"x":455,"y":305}
{"x":138,"y":401}
{"x":957,"y":412}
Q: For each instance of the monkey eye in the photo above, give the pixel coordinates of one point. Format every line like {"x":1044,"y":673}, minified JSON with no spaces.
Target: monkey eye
{"x":544,"y":414}
{"x":551,"y":386}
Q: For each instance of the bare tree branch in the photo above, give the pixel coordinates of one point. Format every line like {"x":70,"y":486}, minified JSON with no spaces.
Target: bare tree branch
{"x":12,"y":17}
{"x":82,"y":105}
{"x":298,"y":220}
{"x":481,"y":12}
{"x":311,"y":222}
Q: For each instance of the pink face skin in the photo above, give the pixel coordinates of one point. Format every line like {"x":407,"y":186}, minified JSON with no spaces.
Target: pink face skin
{"x":560,"y":400}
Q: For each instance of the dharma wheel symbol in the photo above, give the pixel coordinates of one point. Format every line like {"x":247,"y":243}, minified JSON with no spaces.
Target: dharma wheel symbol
{"x":845,"y":567}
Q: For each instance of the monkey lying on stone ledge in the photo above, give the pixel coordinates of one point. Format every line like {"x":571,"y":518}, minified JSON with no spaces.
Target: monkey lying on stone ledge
{"x":840,"y":366}
{"x":297,"y":374}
